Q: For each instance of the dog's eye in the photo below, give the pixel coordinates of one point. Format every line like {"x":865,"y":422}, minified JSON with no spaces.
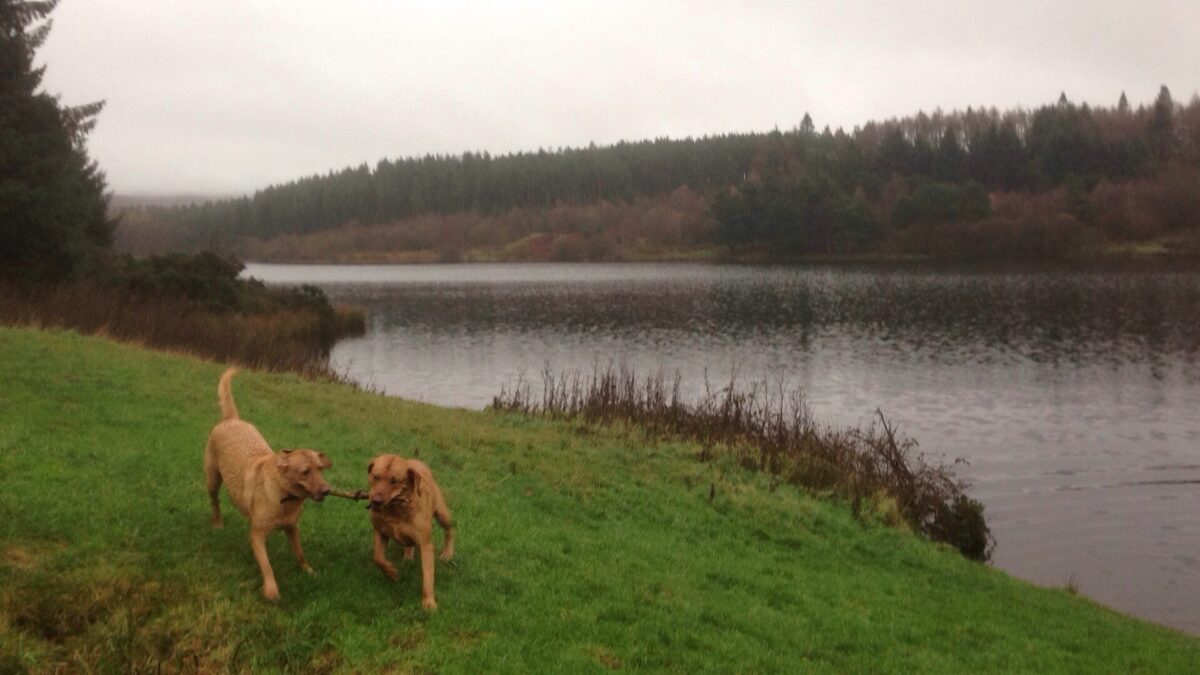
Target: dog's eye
{"x":304,"y":472}
{"x":393,"y":479}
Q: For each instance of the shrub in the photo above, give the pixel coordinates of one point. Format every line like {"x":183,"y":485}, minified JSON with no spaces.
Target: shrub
{"x":204,"y":279}
{"x":568,"y":248}
{"x":1120,"y":213}
{"x":1054,"y":236}
{"x":195,"y":303}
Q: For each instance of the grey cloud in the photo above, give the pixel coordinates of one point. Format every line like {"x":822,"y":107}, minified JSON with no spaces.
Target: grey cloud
{"x":229,"y":96}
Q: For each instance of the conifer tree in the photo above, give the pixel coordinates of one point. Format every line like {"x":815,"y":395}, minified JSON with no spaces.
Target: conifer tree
{"x":806,"y":125}
{"x":1161,"y":129}
{"x":53,"y":207}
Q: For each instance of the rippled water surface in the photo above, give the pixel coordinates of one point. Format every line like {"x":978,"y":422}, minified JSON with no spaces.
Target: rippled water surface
{"x":1074,"y":395}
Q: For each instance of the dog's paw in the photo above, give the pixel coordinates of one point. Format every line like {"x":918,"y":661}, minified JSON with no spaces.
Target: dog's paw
{"x":271,"y":592}
{"x":447,"y":555}
{"x":390,"y":570}
{"x":308,"y":569}
{"x":218,"y":524}
{"x":429,"y":603}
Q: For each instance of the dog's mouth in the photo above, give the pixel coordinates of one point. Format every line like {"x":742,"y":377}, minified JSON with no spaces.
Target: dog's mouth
{"x":316,"y":496}
{"x":400,"y":501}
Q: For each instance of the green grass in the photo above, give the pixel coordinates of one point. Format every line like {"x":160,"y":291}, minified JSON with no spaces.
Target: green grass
{"x":578,"y":550}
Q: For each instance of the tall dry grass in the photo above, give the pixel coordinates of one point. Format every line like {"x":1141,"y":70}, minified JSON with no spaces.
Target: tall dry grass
{"x":293,"y":339}
{"x":771,"y":429}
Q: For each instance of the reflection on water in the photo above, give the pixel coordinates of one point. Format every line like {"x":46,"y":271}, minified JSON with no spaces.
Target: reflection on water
{"x":1074,"y":395}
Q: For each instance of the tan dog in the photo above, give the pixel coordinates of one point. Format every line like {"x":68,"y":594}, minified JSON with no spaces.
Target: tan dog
{"x":404,"y":501}
{"x":268,"y":488}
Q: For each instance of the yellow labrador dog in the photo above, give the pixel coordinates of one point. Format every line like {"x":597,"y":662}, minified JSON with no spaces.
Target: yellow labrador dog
{"x":268,"y":488}
{"x":404,"y":501}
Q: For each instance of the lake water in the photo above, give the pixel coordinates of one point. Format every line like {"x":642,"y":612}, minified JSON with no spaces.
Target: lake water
{"x":1074,"y":395}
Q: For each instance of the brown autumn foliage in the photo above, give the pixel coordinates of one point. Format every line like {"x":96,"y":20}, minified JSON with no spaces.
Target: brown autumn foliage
{"x":1023,"y":226}
{"x":1143,"y":209}
{"x":1056,"y":224}
{"x":605,"y":230}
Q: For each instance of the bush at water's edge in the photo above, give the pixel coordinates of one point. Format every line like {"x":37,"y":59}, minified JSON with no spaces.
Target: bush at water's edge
{"x":193,"y":303}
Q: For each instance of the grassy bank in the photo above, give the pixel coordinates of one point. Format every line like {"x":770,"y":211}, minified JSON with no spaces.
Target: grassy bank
{"x":772,"y":430}
{"x":578,"y":550}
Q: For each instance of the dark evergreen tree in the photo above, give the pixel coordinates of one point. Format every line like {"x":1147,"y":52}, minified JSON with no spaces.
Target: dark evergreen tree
{"x":1064,"y":140}
{"x":53,"y":208}
{"x":950,"y":159}
{"x":1161,"y":130}
{"x":806,"y":126}
{"x":896,"y":154}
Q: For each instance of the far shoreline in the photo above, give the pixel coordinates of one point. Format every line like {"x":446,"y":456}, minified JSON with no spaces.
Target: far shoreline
{"x":1169,"y":260}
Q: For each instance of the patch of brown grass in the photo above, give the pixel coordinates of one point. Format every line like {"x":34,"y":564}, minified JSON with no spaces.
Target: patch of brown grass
{"x":292,"y":339}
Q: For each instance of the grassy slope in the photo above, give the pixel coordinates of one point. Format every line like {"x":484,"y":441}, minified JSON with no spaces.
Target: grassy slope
{"x":577,"y":550}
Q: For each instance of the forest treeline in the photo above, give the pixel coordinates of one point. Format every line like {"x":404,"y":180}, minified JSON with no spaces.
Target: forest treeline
{"x":1060,"y":180}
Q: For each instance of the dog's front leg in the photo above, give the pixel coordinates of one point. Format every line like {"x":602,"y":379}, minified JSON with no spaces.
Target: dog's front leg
{"x":427,"y":600}
{"x":380,"y":557}
{"x":293,"y":535}
{"x":258,"y":544}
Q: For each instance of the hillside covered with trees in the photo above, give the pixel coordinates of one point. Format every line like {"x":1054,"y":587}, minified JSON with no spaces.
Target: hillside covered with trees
{"x":1061,"y":180}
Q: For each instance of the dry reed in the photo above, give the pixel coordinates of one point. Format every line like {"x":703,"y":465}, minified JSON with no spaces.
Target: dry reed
{"x":771,"y":429}
{"x":294,"y":339}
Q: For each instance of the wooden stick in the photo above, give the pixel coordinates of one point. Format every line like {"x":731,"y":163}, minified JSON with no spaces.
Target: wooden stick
{"x":356,"y":495}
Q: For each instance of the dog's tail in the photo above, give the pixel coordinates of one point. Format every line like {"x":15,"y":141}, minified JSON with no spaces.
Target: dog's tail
{"x":225,"y":396}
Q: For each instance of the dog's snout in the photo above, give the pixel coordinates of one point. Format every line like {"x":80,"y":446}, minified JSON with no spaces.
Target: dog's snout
{"x":325,"y":490}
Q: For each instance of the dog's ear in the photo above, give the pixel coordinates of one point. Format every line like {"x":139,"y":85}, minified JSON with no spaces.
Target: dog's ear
{"x":286,"y":450}
{"x":370,"y":467}
{"x":281,"y":461}
{"x":323,"y":461}
{"x":411,"y":477}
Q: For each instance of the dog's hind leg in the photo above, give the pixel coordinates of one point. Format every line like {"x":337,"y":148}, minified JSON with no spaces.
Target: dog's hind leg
{"x":442,"y":513}
{"x":427,"y":599}
{"x":213,"y":475}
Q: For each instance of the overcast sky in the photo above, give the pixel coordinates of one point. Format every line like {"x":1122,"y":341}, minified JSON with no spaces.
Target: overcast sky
{"x":225,"y":96}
